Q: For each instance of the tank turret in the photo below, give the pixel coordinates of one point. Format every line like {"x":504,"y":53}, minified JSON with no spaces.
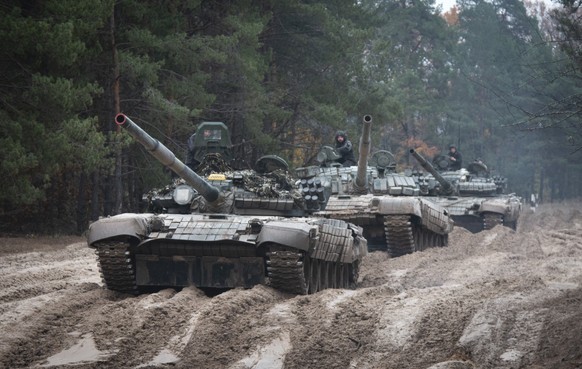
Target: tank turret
{"x":447,"y":187}
{"x":267,"y":191}
{"x":365,"y":140}
{"x":167,"y":157}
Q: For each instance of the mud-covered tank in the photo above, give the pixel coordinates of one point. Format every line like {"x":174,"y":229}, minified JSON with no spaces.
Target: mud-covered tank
{"x":474,"y":198}
{"x":385,"y":204}
{"x":231,"y":237}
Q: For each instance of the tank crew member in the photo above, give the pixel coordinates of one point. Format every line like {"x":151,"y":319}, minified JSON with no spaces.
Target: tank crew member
{"x":533,"y":202}
{"x":455,"y":158}
{"x":345,"y":148}
{"x":191,"y":162}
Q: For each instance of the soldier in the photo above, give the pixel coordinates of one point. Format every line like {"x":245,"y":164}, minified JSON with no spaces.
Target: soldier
{"x":345,"y":148}
{"x":533,"y":202}
{"x":191,"y":162}
{"x":211,"y":134}
{"x":455,"y":158}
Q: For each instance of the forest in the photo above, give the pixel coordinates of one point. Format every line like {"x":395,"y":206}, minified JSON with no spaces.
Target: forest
{"x":501,"y":79}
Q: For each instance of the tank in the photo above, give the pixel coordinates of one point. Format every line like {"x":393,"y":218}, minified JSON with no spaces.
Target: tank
{"x":384,"y":203}
{"x":230,"y":237}
{"x":475,"y":199}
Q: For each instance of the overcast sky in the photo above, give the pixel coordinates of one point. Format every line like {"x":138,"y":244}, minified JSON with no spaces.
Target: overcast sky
{"x":447,"y":4}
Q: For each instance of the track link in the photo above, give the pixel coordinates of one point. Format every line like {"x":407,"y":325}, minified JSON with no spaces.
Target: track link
{"x":297,"y":273}
{"x":116,"y":266}
{"x":399,"y":235}
{"x":404,"y":237}
{"x":294,"y":271}
{"x":286,"y":270}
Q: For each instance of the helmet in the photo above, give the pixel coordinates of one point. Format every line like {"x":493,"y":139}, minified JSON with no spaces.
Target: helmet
{"x":452,"y":145}
{"x":341,"y":134}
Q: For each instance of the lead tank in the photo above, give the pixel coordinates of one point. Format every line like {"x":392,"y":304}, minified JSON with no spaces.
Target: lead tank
{"x":214,"y":247}
{"x":385,"y":204}
{"x":475,"y":199}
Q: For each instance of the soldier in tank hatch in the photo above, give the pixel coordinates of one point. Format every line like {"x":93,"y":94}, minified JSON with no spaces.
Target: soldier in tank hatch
{"x":455,"y":158}
{"x":345,"y":148}
{"x":191,"y":162}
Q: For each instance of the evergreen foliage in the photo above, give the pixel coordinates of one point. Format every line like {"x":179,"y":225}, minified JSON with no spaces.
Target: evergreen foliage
{"x":283,"y":75}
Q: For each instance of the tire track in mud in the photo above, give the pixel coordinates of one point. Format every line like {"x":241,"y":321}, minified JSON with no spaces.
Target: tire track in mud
{"x":412,"y":332}
{"x":493,"y":264}
{"x":32,"y":274}
{"x":494,"y":324}
{"x":44,"y":328}
{"x":147,"y":328}
{"x":561,"y":334}
{"x":36,"y":289}
{"x":496,"y":299}
{"x":505,"y":340}
{"x":124,"y":329}
{"x":232,"y":327}
{"x":334,"y":327}
{"x":280,"y":320}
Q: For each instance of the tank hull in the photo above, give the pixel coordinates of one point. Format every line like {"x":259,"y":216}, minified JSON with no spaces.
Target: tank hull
{"x":297,"y":255}
{"x":399,"y":225}
{"x":482,"y":213}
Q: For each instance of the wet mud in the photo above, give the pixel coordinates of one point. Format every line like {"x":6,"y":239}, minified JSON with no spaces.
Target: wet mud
{"x":496,"y":299}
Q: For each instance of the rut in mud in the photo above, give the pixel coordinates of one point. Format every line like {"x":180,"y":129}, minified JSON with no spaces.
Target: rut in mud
{"x":496,"y":299}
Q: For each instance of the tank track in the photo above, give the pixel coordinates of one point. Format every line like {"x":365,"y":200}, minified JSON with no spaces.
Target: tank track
{"x":297,"y":273}
{"x":403,"y":237}
{"x":285,"y":269}
{"x":399,"y":235}
{"x":490,"y":220}
{"x":116,"y":266}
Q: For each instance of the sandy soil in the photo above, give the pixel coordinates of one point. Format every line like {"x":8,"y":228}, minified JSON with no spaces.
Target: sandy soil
{"x":498,"y":299}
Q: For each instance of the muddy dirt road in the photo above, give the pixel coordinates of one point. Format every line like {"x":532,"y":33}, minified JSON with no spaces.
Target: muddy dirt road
{"x":498,"y":299}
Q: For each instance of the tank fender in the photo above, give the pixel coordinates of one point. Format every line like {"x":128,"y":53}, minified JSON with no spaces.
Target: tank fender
{"x":129,"y":224}
{"x":397,"y":205}
{"x":432,"y":216}
{"x":509,"y":207}
{"x":499,"y":206}
{"x":292,"y":234}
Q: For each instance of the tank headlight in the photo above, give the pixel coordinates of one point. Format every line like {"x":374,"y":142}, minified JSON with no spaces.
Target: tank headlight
{"x":183,"y":195}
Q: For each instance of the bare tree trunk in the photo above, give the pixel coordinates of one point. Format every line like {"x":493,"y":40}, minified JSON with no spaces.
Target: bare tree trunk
{"x":117,"y":208}
{"x":81,"y":210}
{"x":293,"y":141}
{"x":542,"y":175}
{"x":134,"y":193}
{"x":95,"y":208}
{"x":408,"y":134}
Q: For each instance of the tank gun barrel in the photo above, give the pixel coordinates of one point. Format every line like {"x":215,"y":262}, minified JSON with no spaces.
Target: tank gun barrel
{"x":167,"y":157}
{"x":447,"y":187}
{"x":365,"y":141}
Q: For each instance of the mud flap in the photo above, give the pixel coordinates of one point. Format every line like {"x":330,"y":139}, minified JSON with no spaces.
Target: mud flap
{"x":204,"y":271}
